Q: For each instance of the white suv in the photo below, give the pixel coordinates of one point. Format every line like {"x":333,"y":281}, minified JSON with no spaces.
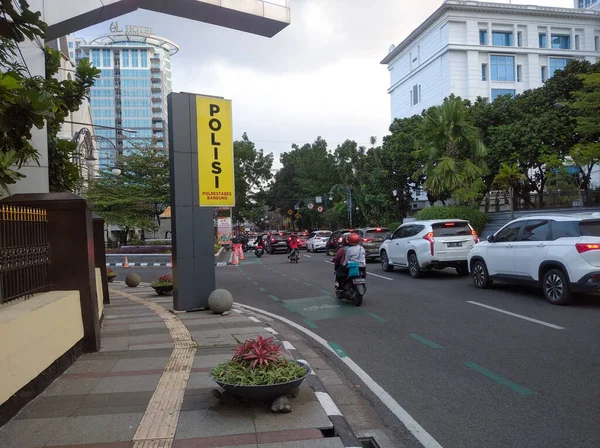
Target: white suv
{"x":435,"y":244}
{"x":559,"y":253}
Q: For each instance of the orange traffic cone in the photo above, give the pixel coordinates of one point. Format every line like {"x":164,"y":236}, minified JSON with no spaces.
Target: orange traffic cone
{"x":126,"y":264}
{"x":235,"y":261}
{"x":241,"y":249}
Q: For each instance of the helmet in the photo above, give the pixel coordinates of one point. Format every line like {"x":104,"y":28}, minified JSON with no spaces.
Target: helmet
{"x":353,"y":239}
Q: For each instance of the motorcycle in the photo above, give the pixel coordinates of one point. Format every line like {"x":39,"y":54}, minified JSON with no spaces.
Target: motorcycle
{"x":259,"y":251}
{"x":245,"y":247}
{"x":353,"y":289}
{"x":294,"y":256}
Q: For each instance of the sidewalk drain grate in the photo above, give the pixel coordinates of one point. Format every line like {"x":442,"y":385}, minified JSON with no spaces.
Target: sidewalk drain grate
{"x":368,"y":442}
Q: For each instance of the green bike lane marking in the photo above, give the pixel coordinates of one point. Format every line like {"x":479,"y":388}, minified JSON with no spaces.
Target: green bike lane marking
{"x":274,"y":298}
{"x":499,"y":379}
{"x":427,"y":342}
{"x":310,"y":323}
{"x":262,"y":289}
{"x":340,"y":352}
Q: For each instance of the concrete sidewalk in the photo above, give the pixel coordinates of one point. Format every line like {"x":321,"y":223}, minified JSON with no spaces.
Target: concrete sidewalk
{"x":149,"y":386}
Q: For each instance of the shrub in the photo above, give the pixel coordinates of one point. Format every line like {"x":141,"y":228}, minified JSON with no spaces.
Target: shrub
{"x":110,"y":273}
{"x":164,"y":280}
{"x":393,"y":226}
{"x":217,"y":247}
{"x":474,"y":216}
{"x":257,"y":352}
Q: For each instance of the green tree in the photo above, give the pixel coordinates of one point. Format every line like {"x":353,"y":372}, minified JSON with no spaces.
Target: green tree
{"x":510,"y":177}
{"x":452,"y":152}
{"x":139,"y":195}
{"x":252,"y":177}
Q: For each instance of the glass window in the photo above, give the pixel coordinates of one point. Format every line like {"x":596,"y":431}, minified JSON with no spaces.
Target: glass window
{"x":96,"y":58}
{"x":544,"y":72}
{"x":564,"y":229}
{"x":536,"y":230}
{"x":483,"y":37}
{"x":499,"y":92}
{"x":560,"y":41}
{"x":519,"y":73}
{"x":400,"y":231}
{"x":106,"y":58}
{"x":451,"y":229}
{"x":590,"y":228}
{"x":509,"y":233}
{"x":134,"y":58}
{"x":144,"y":58}
{"x":503,"y":68}
{"x":542,"y":40}
{"x":70,"y":44}
{"x":557,"y":64}
{"x":502,"y":39}
{"x":484,"y":72}
{"x":520,"y":38}
{"x":577,"y":42}
{"x":125,"y":58}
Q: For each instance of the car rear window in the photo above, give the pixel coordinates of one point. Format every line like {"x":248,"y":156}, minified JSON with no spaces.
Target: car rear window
{"x":590,"y":228}
{"x":451,"y":229}
{"x":377,"y":234}
{"x":281,"y":237}
{"x":323,"y":234}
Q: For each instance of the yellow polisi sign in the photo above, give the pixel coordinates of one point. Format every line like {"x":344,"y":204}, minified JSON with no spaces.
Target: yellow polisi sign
{"x":215,"y":152}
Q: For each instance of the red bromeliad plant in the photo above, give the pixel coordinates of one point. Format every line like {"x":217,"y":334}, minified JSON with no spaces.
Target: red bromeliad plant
{"x":165,"y":279}
{"x":257,"y":352}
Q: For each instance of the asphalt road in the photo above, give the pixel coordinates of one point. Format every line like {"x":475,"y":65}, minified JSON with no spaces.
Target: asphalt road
{"x":147,"y":274}
{"x":471,"y":376}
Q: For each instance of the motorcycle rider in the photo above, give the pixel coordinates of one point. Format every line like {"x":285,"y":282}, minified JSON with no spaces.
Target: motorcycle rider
{"x":338,"y":263}
{"x":352,"y":252}
{"x":293,"y":245}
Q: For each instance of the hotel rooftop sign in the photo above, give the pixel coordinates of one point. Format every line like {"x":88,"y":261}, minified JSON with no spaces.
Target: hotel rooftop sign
{"x":264,"y":18}
{"x":136,"y":30}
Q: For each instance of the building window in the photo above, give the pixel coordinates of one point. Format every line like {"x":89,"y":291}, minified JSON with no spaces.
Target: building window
{"x":557,"y":64}
{"x":134,"y":58}
{"x":499,"y":92}
{"x":520,"y":38}
{"x":144,"y":58}
{"x":106,"y":58}
{"x":519,"y":73}
{"x":503,"y":68}
{"x":502,"y":39}
{"x":125,"y":54}
{"x":70,"y":44}
{"x":577,"y":42}
{"x":597,"y":43}
{"x":561,"y":42}
{"x":416,"y":94}
{"x":544,"y":72}
{"x":483,"y":37}
{"x":542,"y":40}
{"x":484,"y":68}
{"x":96,"y":58}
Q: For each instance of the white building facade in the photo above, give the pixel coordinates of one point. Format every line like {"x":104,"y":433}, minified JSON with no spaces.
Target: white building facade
{"x":587,"y":4}
{"x":475,"y":49}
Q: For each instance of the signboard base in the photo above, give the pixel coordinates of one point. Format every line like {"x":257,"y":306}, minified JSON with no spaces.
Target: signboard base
{"x":193,"y":237}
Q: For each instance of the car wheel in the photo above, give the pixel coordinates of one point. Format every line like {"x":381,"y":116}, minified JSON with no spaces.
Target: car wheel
{"x":479,"y":275}
{"x":413,"y":266}
{"x":385,"y":262}
{"x":462,"y":270}
{"x":556,"y":287}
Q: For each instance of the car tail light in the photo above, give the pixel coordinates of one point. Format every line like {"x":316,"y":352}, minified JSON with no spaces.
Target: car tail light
{"x":341,"y":240}
{"x":475,"y":237}
{"x":260,"y":247}
{"x":273,"y":240}
{"x":367,"y":240}
{"x":585,"y":247}
{"x":429,"y":237}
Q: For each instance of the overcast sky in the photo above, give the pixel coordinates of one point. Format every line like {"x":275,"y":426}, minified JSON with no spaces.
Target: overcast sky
{"x":320,"y":76}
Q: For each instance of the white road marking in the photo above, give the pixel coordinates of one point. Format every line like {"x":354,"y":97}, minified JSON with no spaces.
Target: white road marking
{"x":288,"y":345}
{"x":238,"y":311}
{"x":368,"y":273}
{"x":270,"y":330}
{"x":541,"y":322}
{"x":253,"y":319}
{"x":380,"y":276}
{"x":327,"y":403}
{"x":307,"y":256}
{"x":410,"y":423}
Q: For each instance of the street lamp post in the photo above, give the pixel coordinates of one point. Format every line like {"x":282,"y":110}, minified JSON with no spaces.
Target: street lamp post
{"x":348,"y":200}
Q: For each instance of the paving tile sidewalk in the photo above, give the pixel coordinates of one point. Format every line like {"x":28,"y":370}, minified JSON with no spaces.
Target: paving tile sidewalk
{"x":149,"y":386}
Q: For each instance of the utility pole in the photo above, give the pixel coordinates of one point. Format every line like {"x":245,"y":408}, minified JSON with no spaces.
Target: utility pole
{"x":349,"y":204}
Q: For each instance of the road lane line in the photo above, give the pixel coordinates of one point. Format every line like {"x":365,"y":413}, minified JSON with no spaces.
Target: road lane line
{"x":499,"y":379}
{"x":253,"y":319}
{"x":541,"y":322}
{"x":288,"y":345}
{"x":327,"y":261}
{"x":426,"y":440}
{"x":307,"y":256}
{"x":327,"y":403}
{"x":380,"y":276}
{"x":270,"y":330}
{"x":427,"y":342}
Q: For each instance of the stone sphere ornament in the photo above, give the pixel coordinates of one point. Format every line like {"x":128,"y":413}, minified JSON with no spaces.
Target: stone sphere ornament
{"x":132,"y":280}
{"x":220,"y":300}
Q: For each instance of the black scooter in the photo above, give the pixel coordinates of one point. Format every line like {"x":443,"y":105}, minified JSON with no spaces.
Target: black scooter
{"x":259,"y":251}
{"x":352,"y":288}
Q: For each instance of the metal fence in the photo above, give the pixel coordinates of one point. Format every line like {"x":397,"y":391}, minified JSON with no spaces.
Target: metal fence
{"x":24,"y":252}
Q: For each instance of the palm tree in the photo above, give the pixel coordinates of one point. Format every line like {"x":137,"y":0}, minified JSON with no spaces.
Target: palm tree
{"x":450,"y":149}
{"x":510,"y":177}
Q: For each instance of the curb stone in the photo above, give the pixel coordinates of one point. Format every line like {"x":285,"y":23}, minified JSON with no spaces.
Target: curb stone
{"x":143,"y":265}
{"x":340,"y":424}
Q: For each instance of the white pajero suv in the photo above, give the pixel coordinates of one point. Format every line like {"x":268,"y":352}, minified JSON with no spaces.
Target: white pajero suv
{"x":426,"y":245}
{"x":559,"y":253}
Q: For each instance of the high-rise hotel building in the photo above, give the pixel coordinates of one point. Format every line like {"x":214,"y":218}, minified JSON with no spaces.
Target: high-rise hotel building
{"x":129,"y":100}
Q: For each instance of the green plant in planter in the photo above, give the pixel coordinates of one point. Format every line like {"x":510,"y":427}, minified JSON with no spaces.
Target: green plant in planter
{"x":258,"y":362}
{"x":110,"y":274}
{"x":163,"y":285}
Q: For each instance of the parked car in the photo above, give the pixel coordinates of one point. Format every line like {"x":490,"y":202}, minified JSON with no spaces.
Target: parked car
{"x":277,"y":242}
{"x":318,"y":240}
{"x":302,"y":240}
{"x":336,"y":239}
{"x":373,"y":238}
{"x":558,"y":253}
{"x":426,"y":245}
